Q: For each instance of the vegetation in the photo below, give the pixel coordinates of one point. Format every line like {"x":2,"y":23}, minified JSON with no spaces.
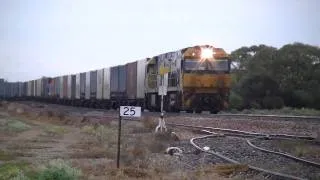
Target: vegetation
{"x":5,"y":156}
{"x":54,"y":170}
{"x":15,"y":170}
{"x":13,"y":125}
{"x":55,"y":129}
{"x":59,"y":170}
{"x":269,"y":78}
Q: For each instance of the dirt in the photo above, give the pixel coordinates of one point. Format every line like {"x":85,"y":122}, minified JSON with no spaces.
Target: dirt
{"x":54,"y":136}
{"x":88,"y":139}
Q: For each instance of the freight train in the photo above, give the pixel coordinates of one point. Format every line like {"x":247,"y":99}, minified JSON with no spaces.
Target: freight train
{"x":198,"y":79}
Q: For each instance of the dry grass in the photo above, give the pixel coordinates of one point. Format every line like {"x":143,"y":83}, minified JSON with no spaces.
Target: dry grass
{"x":54,"y":130}
{"x":11,"y":125}
{"x":299,"y":148}
{"x":104,"y":134}
{"x":91,"y":153}
{"x":6,"y":156}
{"x":149,"y":123}
{"x":229,"y":169}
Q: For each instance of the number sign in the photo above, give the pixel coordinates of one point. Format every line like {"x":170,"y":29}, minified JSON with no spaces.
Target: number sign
{"x":130,"y":111}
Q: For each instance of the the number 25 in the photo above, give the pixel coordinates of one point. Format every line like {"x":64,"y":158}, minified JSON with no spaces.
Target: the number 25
{"x":126,"y":111}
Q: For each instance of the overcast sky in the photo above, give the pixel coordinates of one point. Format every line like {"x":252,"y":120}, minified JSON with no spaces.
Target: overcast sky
{"x":58,"y":37}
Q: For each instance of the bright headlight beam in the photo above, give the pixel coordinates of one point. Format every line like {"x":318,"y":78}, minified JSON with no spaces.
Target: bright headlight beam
{"x":206,"y":53}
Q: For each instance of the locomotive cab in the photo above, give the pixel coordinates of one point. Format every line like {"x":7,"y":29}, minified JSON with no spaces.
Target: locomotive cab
{"x":205,"y":79}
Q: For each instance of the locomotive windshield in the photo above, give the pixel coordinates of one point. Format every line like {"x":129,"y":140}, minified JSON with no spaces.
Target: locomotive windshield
{"x":207,"y":65}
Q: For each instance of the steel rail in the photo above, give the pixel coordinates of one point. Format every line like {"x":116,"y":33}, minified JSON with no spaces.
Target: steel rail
{"x":243,"y":132}
{"x":283,"y":154}
{"x":277,"y":174}
{"x":272,"y":116}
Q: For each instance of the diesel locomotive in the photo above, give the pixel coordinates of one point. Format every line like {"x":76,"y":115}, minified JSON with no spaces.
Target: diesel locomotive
{"x":197,"y":79}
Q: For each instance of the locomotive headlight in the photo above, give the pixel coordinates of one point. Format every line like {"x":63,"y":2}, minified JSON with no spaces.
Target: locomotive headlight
{"x":206,"y":53}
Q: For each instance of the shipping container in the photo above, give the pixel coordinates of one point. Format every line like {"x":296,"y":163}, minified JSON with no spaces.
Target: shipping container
{"x":141,"y":78}
{"x":29,"y":88}
{"x":46,"y":87}
{"x":25,"y":89}
{"x":106,"y":83}
{"x":35,"y":85}
{"x":61,"y":87}
{"x":65,"y":87}
{"x":56,"y":85}
{"x":100,"y":84}
{"x":32,"y":88}
{"x":12,"y":89}
{"x":122,"y":79}
{"x":71,"y":86}
{"x":7,"y":90}
{"x":131,"y":80}
{"x":118,"y":81}
{"x":1,"y":88}
{"x":49,"y":87}
{"x":39,"y":87}
{"x":114,"y":81}
{"x":77,"y":96}
{"x":93,"y":84}
{"x":29,"y":91}
{"x":87,"y":86}
{"x":16,"y":89}
{"x":43,"y":87}
{"x":82,"y":85}
{"x":20,"y":84}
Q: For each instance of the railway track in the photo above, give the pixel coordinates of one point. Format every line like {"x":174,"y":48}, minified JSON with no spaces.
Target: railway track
{"x":201,"y":116}
{"x":233,"y":147}
{"x":236,"y":147}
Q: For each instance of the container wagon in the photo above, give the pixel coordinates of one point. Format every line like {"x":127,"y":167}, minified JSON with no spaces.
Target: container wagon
{"x":197,"y":79}
{"x":2,"y":88}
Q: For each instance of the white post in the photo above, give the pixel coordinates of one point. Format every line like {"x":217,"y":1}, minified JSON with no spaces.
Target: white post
{"x":161,"y":124}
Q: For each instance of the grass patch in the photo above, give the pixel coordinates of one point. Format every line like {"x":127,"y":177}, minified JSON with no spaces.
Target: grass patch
{"x":102,"y":133}
{"x":149,"y":123}
{"x":55,"y":130}
{"x":5,"y":156}
{"x":59,"y":170}
{"x":229,"y":169}
{"x":13,"y":125}
{"x":299,"y":148}
{"x":16,"y":171}
{"x":54,"y":170}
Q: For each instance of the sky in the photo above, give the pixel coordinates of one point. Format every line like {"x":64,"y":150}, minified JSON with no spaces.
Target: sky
{"x":59,"y":37}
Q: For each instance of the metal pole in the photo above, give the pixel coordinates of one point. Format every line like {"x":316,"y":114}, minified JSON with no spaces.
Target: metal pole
{"x":161,"y":116}
{"x":119,"y":134}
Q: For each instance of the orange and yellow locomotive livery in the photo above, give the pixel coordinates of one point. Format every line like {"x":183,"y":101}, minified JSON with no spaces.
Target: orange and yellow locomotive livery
{"x":198,"y":80}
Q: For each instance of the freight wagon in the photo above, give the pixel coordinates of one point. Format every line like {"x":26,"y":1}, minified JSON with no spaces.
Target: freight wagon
{"x":2,"y":89}
{"x":197,"y":79}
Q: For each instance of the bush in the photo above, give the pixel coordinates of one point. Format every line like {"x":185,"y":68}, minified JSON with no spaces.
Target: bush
{"x":13,"y":171}
{"x":272,"y":102}
{"x":149,"y":123}
{"x":59,"y":170}
{"x":236,"y":101}
{"x":17,"y":126}
{"x":302,"y":98}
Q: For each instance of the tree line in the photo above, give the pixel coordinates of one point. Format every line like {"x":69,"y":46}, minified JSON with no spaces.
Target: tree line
{"x":269,"y":78}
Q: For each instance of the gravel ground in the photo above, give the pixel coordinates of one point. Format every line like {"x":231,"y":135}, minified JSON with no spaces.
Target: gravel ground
{"x":233,"y":147}
{"x":308,"y":150}
{"x":236,"y":148}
